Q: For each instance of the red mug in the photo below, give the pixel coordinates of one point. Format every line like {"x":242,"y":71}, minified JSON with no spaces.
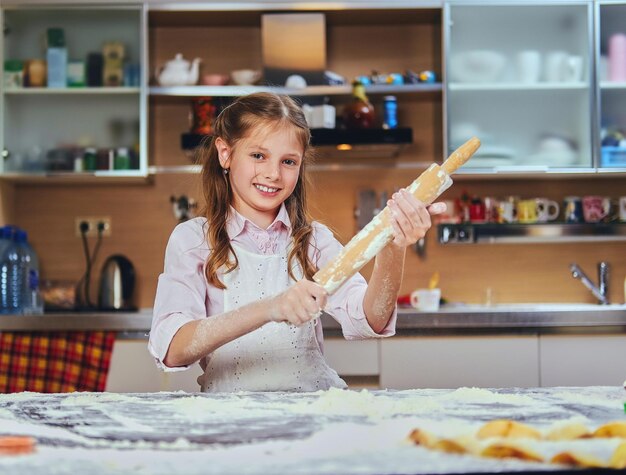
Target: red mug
{"x":477,"y":211}
{"x":596,"y":208}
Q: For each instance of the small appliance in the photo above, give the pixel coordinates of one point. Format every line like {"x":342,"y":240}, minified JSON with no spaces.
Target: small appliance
{"x":117,"y":283}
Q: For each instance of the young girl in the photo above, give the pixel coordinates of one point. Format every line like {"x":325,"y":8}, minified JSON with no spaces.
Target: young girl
{"x":237,"y":292}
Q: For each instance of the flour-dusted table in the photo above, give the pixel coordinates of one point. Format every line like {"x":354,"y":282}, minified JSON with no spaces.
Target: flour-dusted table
{"x":327,"y":432}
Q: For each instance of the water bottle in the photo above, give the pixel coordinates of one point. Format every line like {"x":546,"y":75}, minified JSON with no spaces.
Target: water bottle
{"x":5,"y":241}
{"x":11,"y":276}
{"x":32,"y":303}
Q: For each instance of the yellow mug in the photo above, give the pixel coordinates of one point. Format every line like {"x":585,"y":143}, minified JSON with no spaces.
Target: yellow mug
{"x":527,"y":211}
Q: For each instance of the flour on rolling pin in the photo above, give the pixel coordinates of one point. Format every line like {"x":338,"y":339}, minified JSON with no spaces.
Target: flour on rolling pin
{"x":379,"y":232}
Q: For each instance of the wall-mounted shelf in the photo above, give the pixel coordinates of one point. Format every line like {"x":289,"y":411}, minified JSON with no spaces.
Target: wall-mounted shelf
{"x":234,"y":91}
{"x":518,"y":86}
{"x":470,"y":233}
{"x":72,"y":90}
{"x":78,"y":178}
{"x":361,"y":143}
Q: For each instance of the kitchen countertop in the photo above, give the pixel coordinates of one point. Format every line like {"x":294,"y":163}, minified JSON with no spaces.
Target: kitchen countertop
{"x":327,"y":432}
{"x":454,"y":319}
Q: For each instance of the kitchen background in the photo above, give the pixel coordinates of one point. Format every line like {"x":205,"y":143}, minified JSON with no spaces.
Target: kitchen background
{"x":403,"y":36}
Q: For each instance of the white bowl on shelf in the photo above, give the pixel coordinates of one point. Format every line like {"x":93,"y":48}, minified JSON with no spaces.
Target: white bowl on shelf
{"x":245,"y":77}
{"x":477,"y":66}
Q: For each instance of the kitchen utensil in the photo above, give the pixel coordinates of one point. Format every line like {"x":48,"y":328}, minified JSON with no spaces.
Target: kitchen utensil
{"x":477,"y":66}
{"x":202,"y":116}
{"x":573,"y":209}
{"x":617,"y":57}
{"x":426,"y":300}
{"x":36,"y":73}
{"x":179,"y":72}
{"x":215,"y":79}
{"x":547,"y":210}
{"x":491,"y":209}
{"x":596,"y":208}
{"x":117,"y":283}
{"x":527,"y":211}
{"x":572,"y":69}
{"x":245,"y":77}
{"x":555,"y":64}
{"x":451,"y":215}
{"x":529,"y":66}
{"x":622,"y":208}
{"x":379,"y":232}
{"x":506,"y":212}
{"x":477,"y":210}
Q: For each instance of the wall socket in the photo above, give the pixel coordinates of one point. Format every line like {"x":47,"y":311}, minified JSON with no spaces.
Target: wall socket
{"x":92,"y":225}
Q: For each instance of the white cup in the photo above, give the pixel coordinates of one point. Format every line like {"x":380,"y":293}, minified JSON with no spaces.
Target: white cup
{"x":572,"y":69}
{"x":622,"y":209}
{"x":529,"y":66}
{"x":547,"y":210}
{"x":426,"y":300}
{"x":555,"y":63}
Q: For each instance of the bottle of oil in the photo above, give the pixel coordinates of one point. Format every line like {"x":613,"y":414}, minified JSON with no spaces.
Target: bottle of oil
{"x":359,"y":114}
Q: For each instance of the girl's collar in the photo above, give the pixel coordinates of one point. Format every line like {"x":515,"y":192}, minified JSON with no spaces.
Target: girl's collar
{"x":236,"y":222}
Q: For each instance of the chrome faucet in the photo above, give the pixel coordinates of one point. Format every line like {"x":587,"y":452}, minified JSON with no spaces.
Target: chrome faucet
{"x":601,"y":291}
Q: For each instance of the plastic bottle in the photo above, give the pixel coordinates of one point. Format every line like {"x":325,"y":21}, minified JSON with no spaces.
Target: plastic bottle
{"x":391,"y":113}
{"x":32,"y":303}
{"x":11,"y":276}
{"x":5,"y":241}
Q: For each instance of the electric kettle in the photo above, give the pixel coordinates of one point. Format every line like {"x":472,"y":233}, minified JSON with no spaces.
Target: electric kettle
{"x":117,"y":283}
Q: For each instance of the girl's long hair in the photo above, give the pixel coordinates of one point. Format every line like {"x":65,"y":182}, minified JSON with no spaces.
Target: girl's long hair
{"x":234,"y":123}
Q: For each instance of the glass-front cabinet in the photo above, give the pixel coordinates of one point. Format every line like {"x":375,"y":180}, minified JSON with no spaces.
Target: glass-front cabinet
{"x":72,"y":100}
{"x":520,"y":77}
{"x":611,"y":73}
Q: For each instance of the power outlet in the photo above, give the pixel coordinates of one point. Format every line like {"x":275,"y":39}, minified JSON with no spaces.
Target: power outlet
{"x":92,"y":225}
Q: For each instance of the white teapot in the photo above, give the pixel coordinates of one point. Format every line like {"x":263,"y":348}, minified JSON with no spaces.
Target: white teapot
{"x":179,"y":72}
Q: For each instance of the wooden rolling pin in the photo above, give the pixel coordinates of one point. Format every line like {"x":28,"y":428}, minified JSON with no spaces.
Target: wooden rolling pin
{"x":379,"y":232}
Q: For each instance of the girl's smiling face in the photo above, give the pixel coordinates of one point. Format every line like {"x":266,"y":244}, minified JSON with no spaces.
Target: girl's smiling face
{"x":264,"y":168}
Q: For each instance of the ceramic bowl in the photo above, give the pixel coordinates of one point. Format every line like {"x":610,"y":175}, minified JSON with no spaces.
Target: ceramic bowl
{"x":245,"y":77}
{"x":477,"y":66}
{"x":215,"y":79}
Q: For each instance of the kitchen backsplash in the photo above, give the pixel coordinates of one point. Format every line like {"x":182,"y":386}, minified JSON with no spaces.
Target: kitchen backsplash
{"x":142,"y":220}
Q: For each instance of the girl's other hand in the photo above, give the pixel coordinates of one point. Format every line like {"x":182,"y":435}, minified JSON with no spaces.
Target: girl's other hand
{"x":410,"y":218}
{"x":299,"y":304}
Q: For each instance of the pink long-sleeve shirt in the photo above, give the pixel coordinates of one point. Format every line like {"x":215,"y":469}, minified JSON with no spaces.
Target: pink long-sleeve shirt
{"x":183,"y":293}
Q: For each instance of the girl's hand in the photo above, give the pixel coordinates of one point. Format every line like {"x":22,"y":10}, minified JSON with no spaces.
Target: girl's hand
{"x":410,"y":217}
{"x":299,"y":304}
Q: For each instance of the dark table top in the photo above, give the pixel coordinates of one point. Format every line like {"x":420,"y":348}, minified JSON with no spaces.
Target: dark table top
{"x":328,"y":432}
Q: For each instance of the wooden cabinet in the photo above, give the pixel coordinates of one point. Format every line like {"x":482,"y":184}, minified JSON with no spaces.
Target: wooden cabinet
{"x":582,"y":360}
{"x":358,"y":42}
{"x":452,"y":362}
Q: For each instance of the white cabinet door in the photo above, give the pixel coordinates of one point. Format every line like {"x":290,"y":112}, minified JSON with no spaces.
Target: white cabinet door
{"x":35,"y":122}
{"x":452,"y":362}
{"x":352,"y":358}
{"x":133,"y":370}
{"x":535,"y":122}
{"x":582,"y":360}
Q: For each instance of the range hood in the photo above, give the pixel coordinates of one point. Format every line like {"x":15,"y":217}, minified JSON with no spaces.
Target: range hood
{"x":362,"y":143}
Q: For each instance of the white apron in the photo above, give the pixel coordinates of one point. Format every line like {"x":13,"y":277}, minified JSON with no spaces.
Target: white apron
{"x":276,"y":356}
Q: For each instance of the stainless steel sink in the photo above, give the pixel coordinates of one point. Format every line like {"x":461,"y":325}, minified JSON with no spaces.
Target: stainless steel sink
{"x":517,"y":318}
{"x":534,"y":307}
